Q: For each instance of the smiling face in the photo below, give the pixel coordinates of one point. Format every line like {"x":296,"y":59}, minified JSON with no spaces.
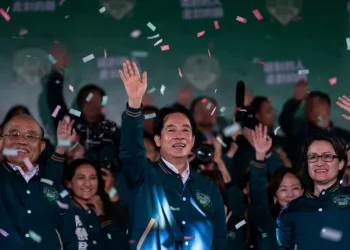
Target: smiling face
{"x":323,"y":170}
{"x":84,"y":183}
{"x":24,"y":134}
{"x":289,"y":189}
{"x":176,"y":139}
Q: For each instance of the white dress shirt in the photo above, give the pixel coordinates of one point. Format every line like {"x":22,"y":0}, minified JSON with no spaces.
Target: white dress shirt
{"x":27,"y":176}
{"x":184,"y":175}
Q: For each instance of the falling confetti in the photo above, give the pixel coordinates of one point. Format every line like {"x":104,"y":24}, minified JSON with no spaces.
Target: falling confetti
{"x":75,"y":112}
{"x":103,"y":9}
{"x":64,"y":143}
{"x":151,"y":90}
{"x":162,"y":89}
{"x":88,"y":58}
{"x":331,"y":234}
{"x":152,"y":37}
{"x":151,"y":26}
{"x":5,"y":15}
{"x":3,"y":232}
{"x":89,"y":97}
{"x":71,"y":88}
{"x":74,"y":146}
{"x":109,"y":236}
{"x":239,"y":224}
{"x":104,"y":100}
{"x":231,"y":130}
{"x":64,"y":194}
{"x":62,"y":205}
{"x":165,"y":47}
{"x":222,"y":109}
{"x":158,"y":42}
{"x":47,"y":181}
{"x":61,"y":2}
{"x":303,"y":72}
{"x":213,"y":111}
{"x":209,"y":105}
{"x":140,"y":54}
{"x":144,"y":235}
{"x":262,"y":63}
{"x":257,"y":14}
{"x":135,"y":33}
{"x":221,"y":141}
{"x":28,"y":163}
{"x":276,"y":130}
{"x":34,"y":236}
{"x":216,"y":25}
{"x":9,"y":152}
{"x":52,"y":59}
{"x":241,"y":19}
{"x":55,"y":112}
{"x":105,"y":53}
{"x":180,"y":73}
{"x":348,"y":43}
{"x":150,"y":116}
{"x":201,"y":33}
{"x":23,"y":32}
{"x":189,"y":237}
{"x":112,"y":192}
{"x":209,"y":53}
{"x":332,"y":80}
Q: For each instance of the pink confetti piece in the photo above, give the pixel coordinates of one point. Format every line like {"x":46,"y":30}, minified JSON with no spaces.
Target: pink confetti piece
{"x":28,"y":163}
{"x":61,"y":2}
{"x":216,"y":25}
{"x":189,"y":237}
{"x":180,"y":73}
{"x":257,"y":14}
{"x":262,"y":63}
{"x":165,"y":47}
{"x":105,"y":53}
{"x":209,"y":53}
{"x":241,"y":19}
{"x":201,"y":33}
{"x":332,"y":80}
{"x":5,"y":15}
{"x":55,"y":112}
{"x":3,"y":232}
{"x":62,"y":205}
{"x":104,"y":110}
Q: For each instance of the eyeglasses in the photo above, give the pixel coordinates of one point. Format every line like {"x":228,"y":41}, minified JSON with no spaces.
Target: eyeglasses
{"x":15,"y":135}
{"x":325,"y":157}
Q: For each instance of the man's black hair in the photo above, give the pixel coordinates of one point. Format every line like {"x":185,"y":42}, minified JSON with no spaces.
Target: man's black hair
{"x":158,"y":122}
{"x":149,"y":109}
{"x":257,"y":103}
{"x":86,"y":90}
{"x":199,"y":99}
{"x":319,"y":95}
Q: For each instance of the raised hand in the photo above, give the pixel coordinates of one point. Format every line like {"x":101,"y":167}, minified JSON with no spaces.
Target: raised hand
{"x":184,"y":95}
{"x":300,"y":90}
{"x":261,"y":141}
{"x":59,"y":52}
{"x":344,"y":103}
{"x":96,"y":204}
{"x":135,"y":86}
{"x":66,"y":135}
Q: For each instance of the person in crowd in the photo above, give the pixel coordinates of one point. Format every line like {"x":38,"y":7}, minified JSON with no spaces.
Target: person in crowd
{"x":150,"y":113}
{"x":180,"y":208}
{"x":152,"y":151}
{"x":97,"y":218}
{"x":267,"y":198}
{"x":30,"y":204}
{"x":316,"y":220}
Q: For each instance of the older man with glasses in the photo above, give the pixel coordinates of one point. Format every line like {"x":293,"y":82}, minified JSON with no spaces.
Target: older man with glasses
{"x":33,"y":213}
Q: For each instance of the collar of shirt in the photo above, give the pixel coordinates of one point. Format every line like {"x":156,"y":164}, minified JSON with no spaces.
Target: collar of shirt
{"x":184,"y":175}
{"x":27,"y":176}
{"x":332,"y":189}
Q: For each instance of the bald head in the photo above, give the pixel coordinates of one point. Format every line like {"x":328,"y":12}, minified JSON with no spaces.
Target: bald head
{"x":23,"y":121}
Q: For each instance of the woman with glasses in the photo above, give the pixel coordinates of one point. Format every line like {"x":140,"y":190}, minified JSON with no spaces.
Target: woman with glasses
{"x":319,"y":219}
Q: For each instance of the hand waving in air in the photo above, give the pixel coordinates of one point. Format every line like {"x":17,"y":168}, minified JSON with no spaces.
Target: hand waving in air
{"x":135,"y":86}
{"x":66,"y":135}
{"x":344,"y":103}
{"x":261,"y":142}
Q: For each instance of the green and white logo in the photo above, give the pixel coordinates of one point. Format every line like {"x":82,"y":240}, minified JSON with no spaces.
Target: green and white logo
{"x":50,"y":193}
{"x":341,"y":201}
{"x":284,"y":10}
{"x":203,"y":199}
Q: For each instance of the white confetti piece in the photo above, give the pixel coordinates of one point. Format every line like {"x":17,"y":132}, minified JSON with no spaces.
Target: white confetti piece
{"x":74,"y":146}
{"x":64,"y":194}
{"x":5,"y":15}
{"x":62,"y":205}
{"x":276,"y":130}
{"x":201,"y":33}
{"x":257,"y":14}
{"x":55,"y":112}
{"x":3,"y":232}
{"x":89,"y":97}
{"x":47,"y":181}
{"x":112,"y":192}
{"x":28,"y":163}
{"x":332,"y":80}
{"x":221,"y":141}
{"x":216,"y":25}
{"x":158,"y":42}
{"x":64,"y":143}
{"x":23,"y":32}
{"x":231,"y":130}
{"x":303,"y":72}
{"x":75,"y":112}
{"x":88,"y":58}
{"x":103,"y":9}
{"x":34,"y":236}
{"x":222,"y":109}
{"x":9,"y":152}
{"x":151,"y":90}
{"x":71,"y":88}
{"x":104,"y":100}
{"x":209,"y":53}
{"x":150,"y":116}
{"x":151,"y":26}
{"x":52,"y":59}
{"x":348,"y":43}
{"x":135,"y":33}
{"x":105,"y":53}
{"x":165,"y":47}
{"x":240,"y":224}
{"x":152,"y":37}
{"x":241,"y":19}
{"x":162,"y":89}
{"x":109,"y":236}
{"x":58,"y":82}
{"x":180,"y":73}
{"x":209,"y":105}
{"x":331,"y":234}
{"x":140,"y":54}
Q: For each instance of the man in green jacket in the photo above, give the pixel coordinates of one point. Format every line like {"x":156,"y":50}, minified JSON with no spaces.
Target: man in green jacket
{"x":175,"y":207}
{"x":34,"y":216}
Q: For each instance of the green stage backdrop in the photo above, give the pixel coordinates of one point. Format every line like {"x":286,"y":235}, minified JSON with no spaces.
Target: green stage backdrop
{"x":267,"y":54}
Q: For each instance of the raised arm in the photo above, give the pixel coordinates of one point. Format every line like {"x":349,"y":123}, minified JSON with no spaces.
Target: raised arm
{"x":132,"y":149}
